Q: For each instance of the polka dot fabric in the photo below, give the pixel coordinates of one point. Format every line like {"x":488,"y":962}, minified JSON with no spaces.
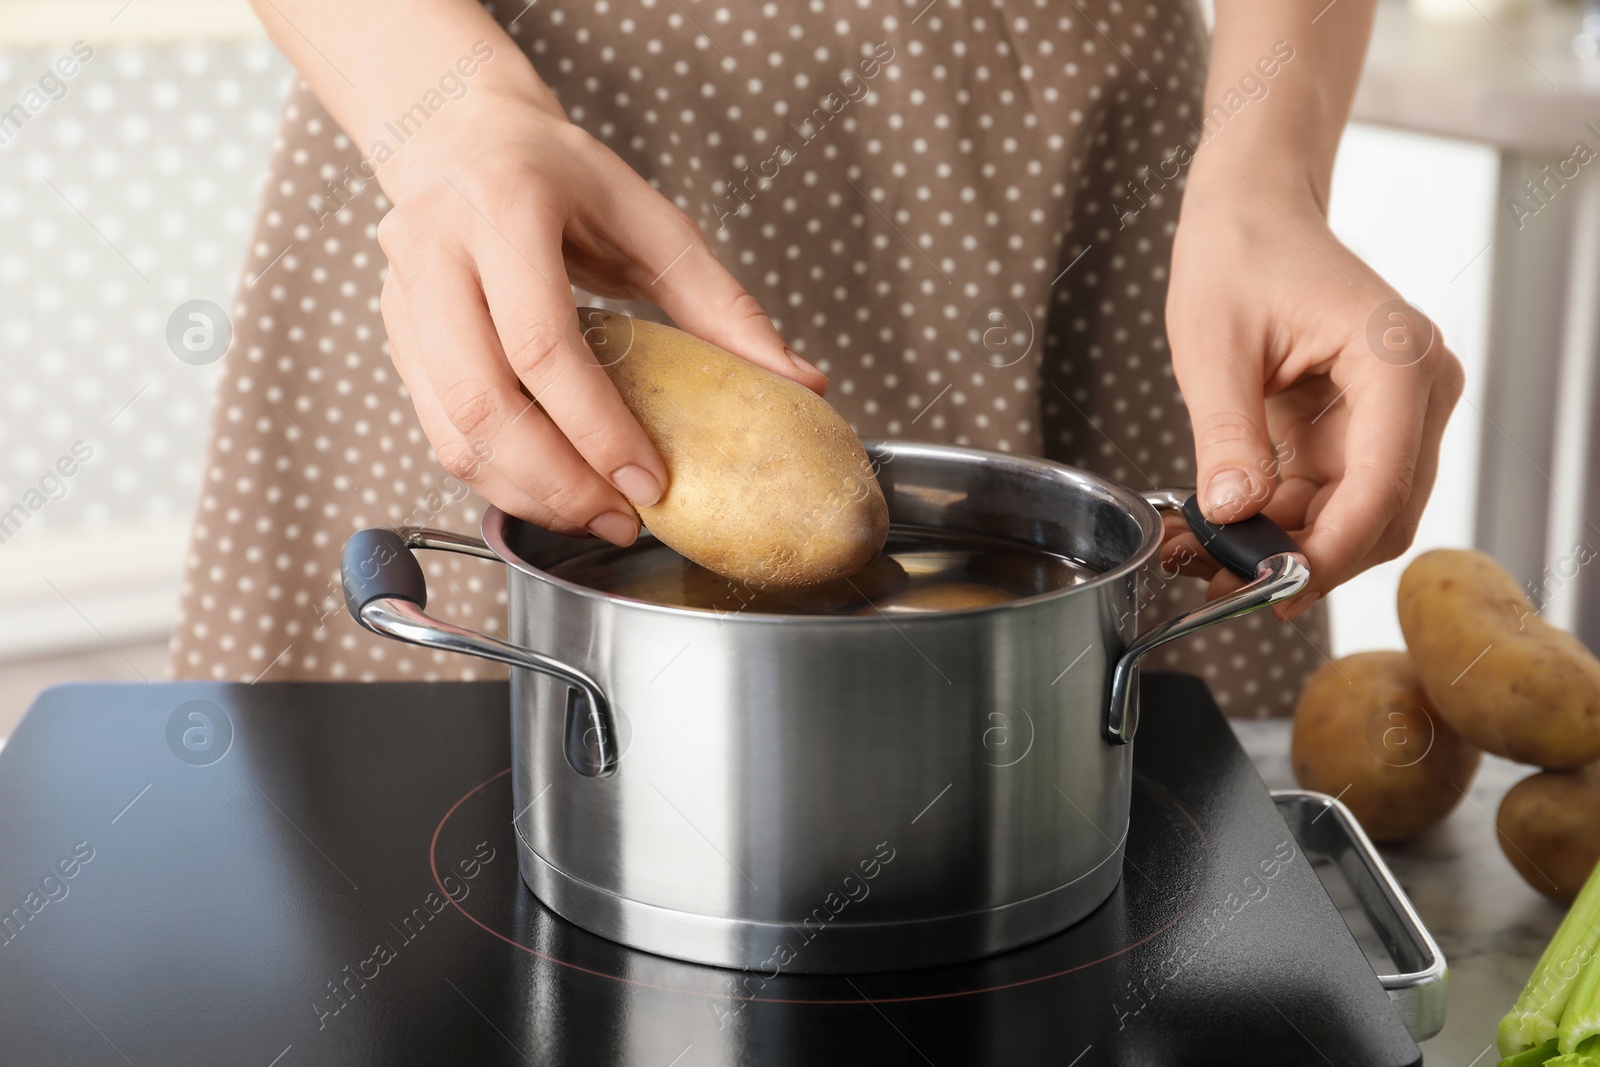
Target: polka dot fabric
{"x":922,"y":195}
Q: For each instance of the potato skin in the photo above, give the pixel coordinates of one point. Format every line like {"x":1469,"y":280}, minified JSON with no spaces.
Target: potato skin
{"x":1533,"y":693}
{"x":1550,"y":829}
{"x":1364,"y":728}
{"x":768,"y":484}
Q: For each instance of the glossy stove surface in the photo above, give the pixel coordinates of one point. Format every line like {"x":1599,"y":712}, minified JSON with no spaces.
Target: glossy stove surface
{"x":326,"y":874}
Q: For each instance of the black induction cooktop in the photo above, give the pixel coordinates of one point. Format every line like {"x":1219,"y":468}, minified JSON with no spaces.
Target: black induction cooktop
{"x":290,"y":874}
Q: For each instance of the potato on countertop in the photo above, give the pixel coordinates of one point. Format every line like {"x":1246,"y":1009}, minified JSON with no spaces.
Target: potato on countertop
{"x":1364,"y":731}
{"x":767,"y":484}
{"x":1550,"y":829}
{"x":1508,"y":681}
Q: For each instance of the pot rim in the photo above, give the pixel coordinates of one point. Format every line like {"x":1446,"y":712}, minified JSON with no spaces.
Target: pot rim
{"x":495,"y":523}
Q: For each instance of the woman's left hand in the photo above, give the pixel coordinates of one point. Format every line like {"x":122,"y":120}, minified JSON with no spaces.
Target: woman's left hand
{"x":1316,"y":394}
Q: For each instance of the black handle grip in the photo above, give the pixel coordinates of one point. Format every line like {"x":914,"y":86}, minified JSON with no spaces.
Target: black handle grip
{"x":378,"y":563}
{"x":1239,"y":546}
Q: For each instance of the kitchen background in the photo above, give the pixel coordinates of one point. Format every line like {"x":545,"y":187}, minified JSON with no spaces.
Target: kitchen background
{"x":134,"y":192}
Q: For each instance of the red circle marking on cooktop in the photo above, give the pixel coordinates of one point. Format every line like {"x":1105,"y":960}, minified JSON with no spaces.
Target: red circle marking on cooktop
{"x":433,"y":865}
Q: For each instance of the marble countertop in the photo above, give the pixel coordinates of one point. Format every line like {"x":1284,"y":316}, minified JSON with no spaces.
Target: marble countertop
{"x":1489,"y":923}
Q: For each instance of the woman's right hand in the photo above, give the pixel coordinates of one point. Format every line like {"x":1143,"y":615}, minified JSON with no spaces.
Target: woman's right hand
{"x":495,"y":217}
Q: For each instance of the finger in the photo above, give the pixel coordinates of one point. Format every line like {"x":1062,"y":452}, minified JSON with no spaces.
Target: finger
{"x":1442,"y":399}
{"x":1281,"y":510}
{"x":483,"y":429}
{"x":455,"y":452}
{"x":1287,"y":508}
{"x":1292,"y":501}
{"x":1183,"y":555}
{"x":1397,"y":537}
{"x":1383,"y":446}
{"x":1172,"y":525}
{"x":530,"y":301}
{"x":689,"y":284}
{"x":466,"y":462}
{"x":1225,"y":395}
{"x":1181,"y":549}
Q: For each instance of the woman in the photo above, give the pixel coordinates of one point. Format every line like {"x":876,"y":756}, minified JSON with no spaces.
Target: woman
{"x":841,"y":191}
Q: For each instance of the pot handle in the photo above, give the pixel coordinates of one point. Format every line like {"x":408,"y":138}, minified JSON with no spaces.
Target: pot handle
{"x":1419,"y":991}
{"x":1257,"y":549}
{"x":385,"y":591}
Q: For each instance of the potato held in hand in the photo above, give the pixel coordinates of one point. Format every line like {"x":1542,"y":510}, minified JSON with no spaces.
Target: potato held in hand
{"x":766,"y":482}
{"x":1365,"y":731}
{"x":1550,"y":829}
{"x":1508,"y":681}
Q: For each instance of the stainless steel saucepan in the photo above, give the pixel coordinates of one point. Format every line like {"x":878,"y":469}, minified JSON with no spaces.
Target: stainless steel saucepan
{"x":832,"y":793}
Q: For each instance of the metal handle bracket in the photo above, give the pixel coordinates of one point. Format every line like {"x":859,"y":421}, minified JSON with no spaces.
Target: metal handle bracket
{"x":1278,"y":577}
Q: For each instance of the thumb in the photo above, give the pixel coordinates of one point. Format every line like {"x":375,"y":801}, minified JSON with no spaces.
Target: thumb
{"x":1233,"y":452}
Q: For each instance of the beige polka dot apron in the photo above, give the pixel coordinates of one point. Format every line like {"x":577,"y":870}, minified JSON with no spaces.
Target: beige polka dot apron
{"x":922,"y":196}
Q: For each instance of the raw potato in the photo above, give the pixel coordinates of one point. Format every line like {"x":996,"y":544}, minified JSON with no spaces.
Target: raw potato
{"x":1550,"y":829}
{"x":692,"y":586}
{"x":1364,"y":731}
{"x":939,"y":596}
{"x":1509,"y":682}
{"x":766,"y":482}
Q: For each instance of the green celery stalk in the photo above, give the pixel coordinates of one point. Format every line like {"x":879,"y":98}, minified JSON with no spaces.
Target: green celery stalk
{"x":1580,"y":1021}
{"x":1586,"y":1054}
{"x":1533,"y":1057}
{"x":1536,"y":1016}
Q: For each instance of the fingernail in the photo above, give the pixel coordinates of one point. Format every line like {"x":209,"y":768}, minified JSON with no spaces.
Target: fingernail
{"x":1224,"y":494}
{"x":637,"y":484}
{"x":794,"y":357}
{"x":615,"y":527}
{"x":1296,"y":607}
